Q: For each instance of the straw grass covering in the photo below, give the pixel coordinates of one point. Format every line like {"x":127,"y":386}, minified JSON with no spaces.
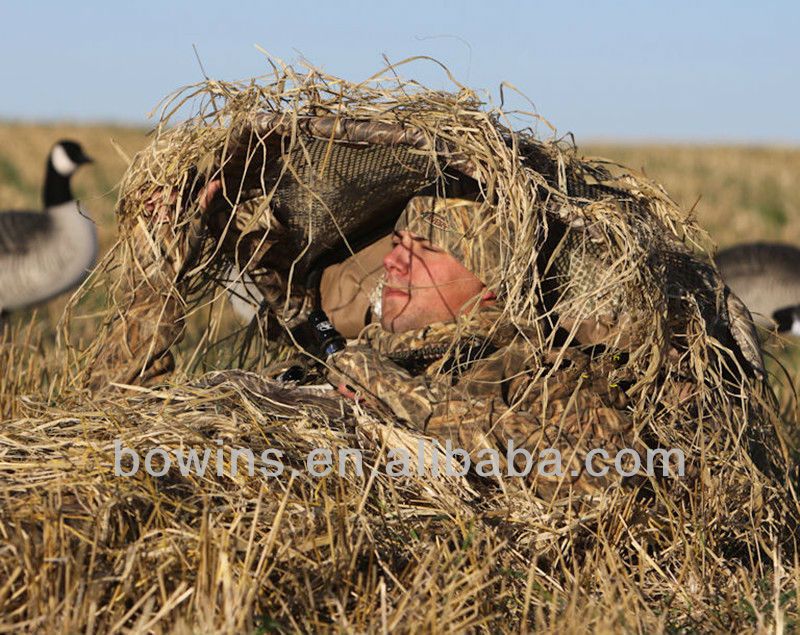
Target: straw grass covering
{"x":587,"y":246}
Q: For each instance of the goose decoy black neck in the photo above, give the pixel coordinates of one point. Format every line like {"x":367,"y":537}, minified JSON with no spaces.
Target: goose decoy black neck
{"x":65,"y":157}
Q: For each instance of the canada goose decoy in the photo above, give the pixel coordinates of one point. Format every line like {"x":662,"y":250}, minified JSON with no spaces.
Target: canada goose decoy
{"x":766,"y":276}
{"x":45,"y":253}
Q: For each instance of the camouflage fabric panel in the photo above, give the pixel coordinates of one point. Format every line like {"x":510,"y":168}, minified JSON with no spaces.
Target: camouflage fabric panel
{"x":603,"y":310}
{"x":372,"y":375}
{"x":495,"y":404}
{"x":568,"y":417}
{"x":326,"y":189}
{"x":576,"y":268}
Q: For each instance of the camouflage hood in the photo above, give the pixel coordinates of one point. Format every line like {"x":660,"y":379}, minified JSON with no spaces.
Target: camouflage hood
{"x":461,"y":227}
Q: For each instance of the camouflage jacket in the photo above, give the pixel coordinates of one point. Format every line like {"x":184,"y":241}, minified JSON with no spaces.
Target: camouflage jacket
{"x":483,"y":387}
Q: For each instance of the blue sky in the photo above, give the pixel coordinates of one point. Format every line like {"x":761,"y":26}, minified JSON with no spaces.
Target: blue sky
{"x":680,"y":71}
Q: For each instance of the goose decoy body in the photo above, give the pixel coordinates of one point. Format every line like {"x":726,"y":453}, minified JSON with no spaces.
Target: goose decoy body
{"x":766,"y":276}
{"x":45,"y":253}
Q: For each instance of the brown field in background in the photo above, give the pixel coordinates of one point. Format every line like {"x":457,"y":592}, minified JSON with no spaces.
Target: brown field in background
{"x":737,"y":193}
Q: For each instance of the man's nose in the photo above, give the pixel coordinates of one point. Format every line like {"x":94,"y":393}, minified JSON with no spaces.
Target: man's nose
{"x":398,"y":260}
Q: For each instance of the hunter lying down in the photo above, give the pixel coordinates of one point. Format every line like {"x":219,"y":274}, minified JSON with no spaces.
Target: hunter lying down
{"x":441,"y":359}
{"x":439,"y":354}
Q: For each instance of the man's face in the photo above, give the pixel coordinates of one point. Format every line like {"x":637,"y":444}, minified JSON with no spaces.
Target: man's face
{"x":424,"y":285}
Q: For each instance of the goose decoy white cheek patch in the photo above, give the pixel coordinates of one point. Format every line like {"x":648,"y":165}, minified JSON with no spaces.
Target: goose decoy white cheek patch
{"x":61,"y":161}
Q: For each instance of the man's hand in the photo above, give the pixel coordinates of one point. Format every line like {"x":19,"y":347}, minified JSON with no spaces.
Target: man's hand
{"x":208,"y":193}
{"x":362,"y":372}
{"x":352,"y":369}
{"x":160,"y":208}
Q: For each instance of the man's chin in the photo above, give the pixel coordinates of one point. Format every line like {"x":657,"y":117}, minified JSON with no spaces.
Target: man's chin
{"x":389,"y":322}
{"x":394,"y":322}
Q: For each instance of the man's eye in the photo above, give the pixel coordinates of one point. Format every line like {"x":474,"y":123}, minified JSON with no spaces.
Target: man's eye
{"x":432,"y":248}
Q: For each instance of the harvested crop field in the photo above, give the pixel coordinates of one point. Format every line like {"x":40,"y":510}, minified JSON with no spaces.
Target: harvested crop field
{"x":84,"y":550}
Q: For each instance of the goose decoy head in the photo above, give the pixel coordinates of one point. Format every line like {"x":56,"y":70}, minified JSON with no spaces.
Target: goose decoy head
{"x":788,"y":320}
{"x":66,"y":156}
